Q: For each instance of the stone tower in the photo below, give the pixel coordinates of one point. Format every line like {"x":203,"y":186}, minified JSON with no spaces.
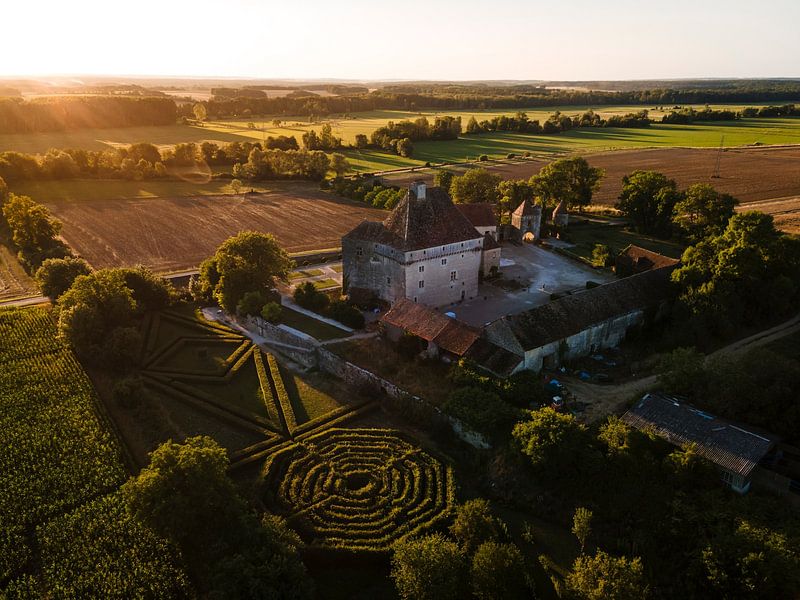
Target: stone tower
{"x":526,"y":221}
{"x":560,"y":215}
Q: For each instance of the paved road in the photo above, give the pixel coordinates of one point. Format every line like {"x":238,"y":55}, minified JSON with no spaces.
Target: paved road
{"x":604,"y":400}
{"x":32,"y":301}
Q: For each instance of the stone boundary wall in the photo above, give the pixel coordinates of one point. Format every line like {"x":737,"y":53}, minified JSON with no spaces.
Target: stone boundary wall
{"x":355,"y":375}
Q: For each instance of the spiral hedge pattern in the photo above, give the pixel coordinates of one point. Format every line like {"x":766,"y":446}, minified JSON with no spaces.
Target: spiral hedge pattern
{"x":358,"y":489}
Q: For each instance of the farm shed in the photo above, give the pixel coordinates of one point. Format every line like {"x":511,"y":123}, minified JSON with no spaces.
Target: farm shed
{"x":446,"y":338}
{"x":635,"y":259}
{"x":582,"y":323}
{"x":735,"y":450}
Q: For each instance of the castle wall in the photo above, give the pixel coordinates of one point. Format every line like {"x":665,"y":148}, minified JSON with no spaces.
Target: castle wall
{"x":438,"y":286}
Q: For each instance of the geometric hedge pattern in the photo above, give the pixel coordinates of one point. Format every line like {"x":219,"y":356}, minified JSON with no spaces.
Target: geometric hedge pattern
{"x":351,"y":489}
{"x":358,"y":489}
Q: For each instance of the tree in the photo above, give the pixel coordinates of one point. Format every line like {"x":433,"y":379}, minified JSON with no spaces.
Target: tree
{"x":605,"y":577}
{"x":276,"y":123}
{"x":361,"y":141}
{"x":582,"y":525}
{"x":569,"y":179}
{"x":339,"y":164}
{"x":251,"y":304}
{"x":404,"y":147}
{"x":236,"y":186}
{"x":200,"y":111}
{"x":308,"y":296}
{"x":32,"y":227}
{"x":475,"y":524}
{"x":443,"y":179}
{"x":682,"y":371}
{"x":512,"y":194}
{"x":246,"y":262}
{"x":271,"y":312}
{"x":3,"y":193}
{"x":554,"y":442}
{"x":648,"y":199}
{"x":601,"y":255}
{"x":92,"y":308}
{"x":56,"y":275}
{"x":615,"y":434}
{"x":472,"y":125}
{"x":429,"y":568}
{"x":703,"y":212}
{"x":498,"y":573}
{"x":476,"y":185}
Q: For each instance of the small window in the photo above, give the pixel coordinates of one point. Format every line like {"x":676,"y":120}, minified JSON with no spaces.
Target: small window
{"x":453,"y":275}
{"x":444,"y":261}
{"x":388,"y":281}
{"x":422,"y":268}
{"x":359,"y":251}
{"x":421,"y":284}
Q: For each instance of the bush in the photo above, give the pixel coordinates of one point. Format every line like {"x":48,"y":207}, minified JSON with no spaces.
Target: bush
{"x":271,"y":312}
{"x":429,"y":568}
{"x":482,"y":410}
{"x":346,"y":314}
{"x":511,"y":155}
{"x":309,"y":297}
{"x":56,"y":275}
{"x":483,"y":158}
{"x":475,"y":524}
{"x":129,"y":392}
{"x":251,"y":304}
{"x":121,"y":348}
{"x":498,"y":573}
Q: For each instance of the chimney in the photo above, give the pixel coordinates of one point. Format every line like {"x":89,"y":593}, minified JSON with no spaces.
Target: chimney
{"x":418,"y":187}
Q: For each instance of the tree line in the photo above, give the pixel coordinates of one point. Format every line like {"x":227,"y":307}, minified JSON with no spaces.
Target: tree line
{"x":63,"y":113}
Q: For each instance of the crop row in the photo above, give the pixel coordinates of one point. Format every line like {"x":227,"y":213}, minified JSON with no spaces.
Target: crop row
{"x":20,"y":333}
{"x":55,"y":452}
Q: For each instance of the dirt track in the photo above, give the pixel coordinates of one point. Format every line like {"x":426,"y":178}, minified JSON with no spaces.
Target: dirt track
{"x":749,"y":174}
{"x":604,"y":400}
{"x":170,"y":234}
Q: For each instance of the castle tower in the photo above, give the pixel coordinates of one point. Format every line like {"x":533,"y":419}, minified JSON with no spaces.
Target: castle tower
{"x":560,"y":215}
{"x":526,"y":221}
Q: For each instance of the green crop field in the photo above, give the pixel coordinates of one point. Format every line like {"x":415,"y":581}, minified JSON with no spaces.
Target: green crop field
{"x":743,"y":132}
{"x":60,"y":467}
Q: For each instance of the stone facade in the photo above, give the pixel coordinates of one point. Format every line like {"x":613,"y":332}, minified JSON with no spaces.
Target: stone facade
{"x":426,"y":251}
{"x":560,"y":215}
{"x":526,"y":222}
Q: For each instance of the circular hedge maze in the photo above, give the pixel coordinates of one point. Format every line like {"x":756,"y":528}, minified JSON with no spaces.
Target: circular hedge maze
{"x":358,"y":489}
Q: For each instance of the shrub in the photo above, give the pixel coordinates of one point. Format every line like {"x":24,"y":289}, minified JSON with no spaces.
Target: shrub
{"x":482,"y":410}
{"x":474,"y":524}
{"x":346,"y":314}
{"x":251,"y":304}
{"x":498,"y":573}
{"x":483,"y":158}
{"x":271,"y":312}
{"x":511,"y":155}
{"x":129,"y":392}
{"x":309,"y":297}
{"x":429,"y":568}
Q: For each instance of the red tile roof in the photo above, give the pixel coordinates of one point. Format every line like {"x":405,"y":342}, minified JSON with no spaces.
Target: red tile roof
{"x":449,"y":334}
{"x":635,"y":259}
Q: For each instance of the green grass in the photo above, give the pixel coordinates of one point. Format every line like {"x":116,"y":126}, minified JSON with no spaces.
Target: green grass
{"x":201,"y":356}
{"x":311,"y":326}
{"x":308,"y":402}
{"x":337,"y":268}
{"x":243,"y":390}
{"x":495,"y":145}
{"x":305,"y":273}
{"x":586,"y":236}
{"x":326,"y":284}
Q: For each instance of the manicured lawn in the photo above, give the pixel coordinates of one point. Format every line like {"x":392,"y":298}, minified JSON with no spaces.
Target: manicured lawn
{"x":337,"y":268}
{"x":305,"y":273}
{"x":326,"y":284}
{"x":585,"y":236}
{"x":311,"y":326}
{"x":308,"y":402}
{"x":242,"y":391}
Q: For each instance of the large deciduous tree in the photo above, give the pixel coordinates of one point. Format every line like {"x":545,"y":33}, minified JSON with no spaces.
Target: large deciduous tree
{"x":648,"y":199}
{"x":606,"y":577}
{"x":476,"y":185}
{"x":56,"y":275}
{"x":429,"y":568}
{"x":554,"y":442}
{"x":498,"y":573}
{"x":569,"y":179}
{"x":246,"y":262}
{"x":703,"y":211}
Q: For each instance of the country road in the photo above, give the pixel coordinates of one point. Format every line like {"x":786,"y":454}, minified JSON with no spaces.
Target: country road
{"x":33,"y":300}
{"x":603,"y":400}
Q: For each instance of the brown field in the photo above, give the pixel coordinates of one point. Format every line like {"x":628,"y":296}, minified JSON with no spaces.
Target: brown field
{"x":177,"y":233}
{"x":14,"y":282}
{"x":753,"y":175}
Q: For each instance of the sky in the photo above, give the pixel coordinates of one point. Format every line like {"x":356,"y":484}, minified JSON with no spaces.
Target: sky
{"x":410,"y":39}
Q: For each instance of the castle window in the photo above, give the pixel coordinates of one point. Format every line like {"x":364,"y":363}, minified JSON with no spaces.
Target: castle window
{"x":453,"y":275}
{"x":421,"y":284}
{"x":422,"y":268}
{"x":444,"y":261}
{"x":359,"y":251}
{"x":388,"y":281}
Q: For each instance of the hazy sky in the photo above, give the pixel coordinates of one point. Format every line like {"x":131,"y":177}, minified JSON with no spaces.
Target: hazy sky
{"x":409,"y":39}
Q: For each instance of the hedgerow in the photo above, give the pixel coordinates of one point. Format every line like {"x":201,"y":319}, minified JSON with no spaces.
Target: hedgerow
{"x":358,"y":489}
{"x":282,"y":395}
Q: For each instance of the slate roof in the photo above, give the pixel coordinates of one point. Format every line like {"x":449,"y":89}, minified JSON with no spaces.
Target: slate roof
{"x":526,"y":208}
{"x":489,"y":243}
{"x":727,"y":445}
{"x":560,"y":209}
{"x":493,"y":358}
{"x":572,"y":314}
{"x":480,"y":214}
{"x":635,"y":259}
{"x":449,"y":334}
{"x":418,"y":224}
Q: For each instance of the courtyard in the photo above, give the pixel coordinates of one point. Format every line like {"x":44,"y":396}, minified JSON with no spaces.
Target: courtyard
{"x":539,"y":272}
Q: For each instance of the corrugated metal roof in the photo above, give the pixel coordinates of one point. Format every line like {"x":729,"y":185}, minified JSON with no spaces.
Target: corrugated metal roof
{"x":727,"y":445}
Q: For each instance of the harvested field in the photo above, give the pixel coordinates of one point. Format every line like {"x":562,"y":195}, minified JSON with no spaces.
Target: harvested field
{"x":785,"y":211}
{"x":14,"y":281}
{"x":749,"y":174}
{"x":176,"y":233}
